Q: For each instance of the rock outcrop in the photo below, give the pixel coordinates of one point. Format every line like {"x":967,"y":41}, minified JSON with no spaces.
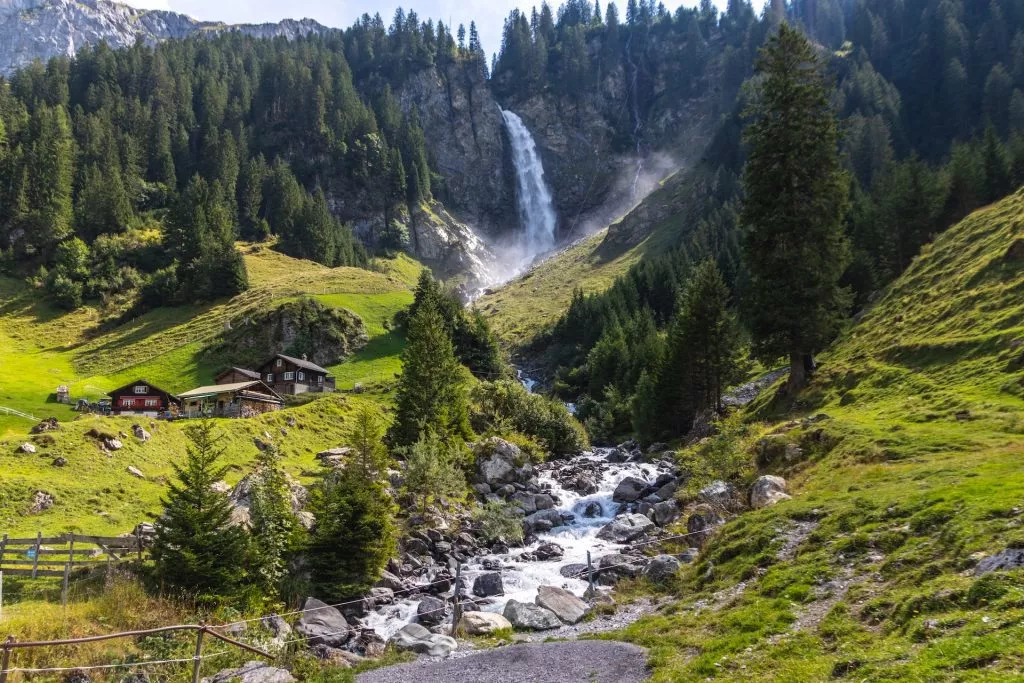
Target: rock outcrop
{"x":482,"y":623}
{"x":562,"y":604}
{"x":322,"y":624}
{"x":416,"y":638}
{"x":768,"y":490}
{"x":625,"y":528}
{"x":527,"y":616}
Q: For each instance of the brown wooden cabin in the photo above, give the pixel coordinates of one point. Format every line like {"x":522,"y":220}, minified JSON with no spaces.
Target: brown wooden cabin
{"x":241,"y":399}
{"x":288,"y":375}
{"x":236,"y":375}
{"x":142,"y":398}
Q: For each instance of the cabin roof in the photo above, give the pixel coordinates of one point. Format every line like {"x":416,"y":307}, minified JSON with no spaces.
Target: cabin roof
{"x":300,"y":362}
{"x":152,"y":386}
{"x":252,"y":374}
{"x":217,"y":389}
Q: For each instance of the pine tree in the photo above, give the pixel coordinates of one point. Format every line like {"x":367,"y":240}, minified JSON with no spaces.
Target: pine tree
{"x":431,"y":393}
{"x":796,"y":198}
{"x":197,"y":549}
{"x":431,"y":469}
{"x":272,"y":520}
{"x":366,"y":437}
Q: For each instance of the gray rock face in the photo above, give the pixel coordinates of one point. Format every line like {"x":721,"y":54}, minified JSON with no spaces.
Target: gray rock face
{"x":723,"y":496}
{"x":431,"y":611}
{"x":543,"y":520}
{"x":528,"y":616}
{"x":562,"y":603}
{"x":625,"y":528}
{"x":322,"y":624}
{"x":629,"y":490}
{"x":252,"y":672}
{"x":703,"y":521}
{"x":417,"y":639}
{"x":482,"y":623}
{"x":768,"y":490}
{"x":499,"y":468}
{"x":1005,"y":560}
{"x":487,"y":585}
{"x":661,"y":568}
{"x":665,"y":512}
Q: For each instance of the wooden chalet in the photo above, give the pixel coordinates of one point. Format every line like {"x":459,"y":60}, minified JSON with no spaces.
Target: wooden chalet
{"x":236,"y":375}
{"x":240,"y":399}
{"x":142,"y":398}
{"x":288,"y":375}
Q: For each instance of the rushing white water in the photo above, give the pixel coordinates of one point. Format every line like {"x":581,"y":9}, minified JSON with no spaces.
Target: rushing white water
{"x":536,"y":209}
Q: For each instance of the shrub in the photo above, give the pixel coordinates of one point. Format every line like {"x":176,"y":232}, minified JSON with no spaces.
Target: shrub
{"x":497,"y":521}
{"x":506,"y":404}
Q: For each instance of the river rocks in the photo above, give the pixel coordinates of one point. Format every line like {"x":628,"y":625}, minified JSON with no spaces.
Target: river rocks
{"x":543,"y":521}
{"x":322,"y":624}
{"x":41,"y":502}
{"x":27,"y":448}
{"x":625,"y":528}
{"x":665,"y":512}
{"x":496,"y":461}
{"x":661,"y":568}
{"x":368,"y":643}
{"x":615,"y":567}
{"x":416,"y":638}
{"x":482,"y":623}
{"x":431,"y":611}
{"x":252,"y":672}
{"x":573,"y":570}
{"x":701,"y":524}
{"x":562,"y":603}
{"x":524,"y":615}
{"x":549,"y":551}
{"x":487,"y":585}
{"x":416,"y":546}
{"x":768,"y":490}
{"x":629,"y":490}
{"x":389,"y":580}
{"x":592,"y":510}
{"x":1005,"y":560}
{"x":723,"y":496}
{"x":336,"y":657}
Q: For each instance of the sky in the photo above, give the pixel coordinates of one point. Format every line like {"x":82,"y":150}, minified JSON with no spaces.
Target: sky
{"x":488,"y":14}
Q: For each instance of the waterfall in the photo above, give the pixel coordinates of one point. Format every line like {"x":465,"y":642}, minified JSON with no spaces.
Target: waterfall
{"x":536,"y":210}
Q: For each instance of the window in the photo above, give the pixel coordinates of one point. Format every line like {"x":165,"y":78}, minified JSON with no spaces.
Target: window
{"x":319,"y":379}
{"x":289,"y":376}
{"x":278,"y":363}
{"x":152,"y":403}
{"x":302,"y":376}
{"x":127,"y":402}
{"x":141,"y":389}
{"x":270,"y":377}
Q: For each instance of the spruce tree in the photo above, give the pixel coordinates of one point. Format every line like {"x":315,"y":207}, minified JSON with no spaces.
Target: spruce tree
{"x":272,"y":520}
{"x":366,"y":437}
{"x":793,"y":213}
{"x":431,"y":469}
{"x":197,"y":549}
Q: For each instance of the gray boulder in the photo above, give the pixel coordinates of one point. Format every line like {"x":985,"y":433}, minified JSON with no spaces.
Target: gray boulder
{"x":525,"y":615}
{"x":661,"y":568}
{"x":482,"y":623}
{"x":487,"y":585}
{"x":499,"y":467}
{"x":140,"y":433}
{"x":322,"y":624}
{"x":416,"y":638}
{"x":252,"y":672}
{"x":615,"y":567}
{"x":27,"y":448}
{"x":544,"y":520}
{"x":625,"y":528}
{"x":430,"y":611}
{"x":629,"y":490}
{"x":701,"y":524}
{"x":768,"y":490}
{"x":722,"y":495}
{"x":665,"y":512}
{"x":562,"y":603}
{"x":573,"y":571}
{"x":389,"y":580}
{"x":1004,"y":560}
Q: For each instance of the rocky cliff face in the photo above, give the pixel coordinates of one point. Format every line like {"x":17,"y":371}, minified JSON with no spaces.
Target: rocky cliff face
{"x":41,"y":29}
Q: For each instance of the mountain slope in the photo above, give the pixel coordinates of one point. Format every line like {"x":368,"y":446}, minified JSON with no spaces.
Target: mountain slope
{"x":910,"y":479}
{"x":41,"y":29}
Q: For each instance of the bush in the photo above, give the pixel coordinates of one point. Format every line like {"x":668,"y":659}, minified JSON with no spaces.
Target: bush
{"x":65,"y":292}
{"x":506,"y":405}
{"x":498,"y":521}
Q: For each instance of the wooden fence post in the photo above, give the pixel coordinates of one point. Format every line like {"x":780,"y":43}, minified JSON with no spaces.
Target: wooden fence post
{"x":138,"y":542}
{"x":197,"y":659}
{"x":3,"y":547}
{"x":456,"y":607}
{"x":590,"y":576}
{"x":5,"y":659}
{"x":35,"y":563}
{"x":64,"y":587}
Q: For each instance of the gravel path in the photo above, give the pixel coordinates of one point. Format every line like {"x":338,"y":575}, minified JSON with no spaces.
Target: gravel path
{"x":589,"y":661}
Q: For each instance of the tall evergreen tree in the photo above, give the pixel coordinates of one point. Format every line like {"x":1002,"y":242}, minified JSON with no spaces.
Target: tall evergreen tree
{"x":796,"y":198}
{"x":272,"y":520}
{"x":197,"y":549}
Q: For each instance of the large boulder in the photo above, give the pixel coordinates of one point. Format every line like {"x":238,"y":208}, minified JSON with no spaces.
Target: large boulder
{"x":543,"y":520}
{"x":27,"y":448}
{"x":430,"y":611}
{"x":701,"y":524}
{"x":723,"y":496}
{"x":496,"y":461}
{"x":665,"y":512}
{"x":487,"y":585}
{"x":322,"y":624}
{"x":41,"y":502}
{"x":1003,"y":561}
{"x":625,"y":528}
{"x":482,"y":623}
{"x":562,"y":603}
{"x":252,"y":672}
{"x":661,"y":568}
{"x":629,"y":490}
{"x":614,"y":567}
{"x":525,"y":615}
{"x":768,"y":490}
{"x":416,"y":638}
{"x":140,"y":433}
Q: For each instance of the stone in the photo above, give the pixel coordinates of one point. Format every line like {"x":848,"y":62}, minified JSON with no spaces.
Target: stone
{"x":702,"y":522}
{"x":661,"y":568}
{"x":625,"y":528}
{"x":1005,"y":560}
{"x":430,"y":611}
{"x":336,"y":657}
{"x":368,"y":643}
{"x":417,"y":546}
{"x":629,"y":490}
{"x":416,"y":638}
{"x":482,"y":623}
{"x":666,"y":512}
{"x":614,"y":567}
{"x":562,"y":603}
{"x":573,"y":570}
{"x":381,"y":595}
{"x":543,"y":501}
{"x":50,"y":424}
{"x":41,"y":502}
{"x":389,"y":580}
{"x":322,"y":624}
{"x":486,"y":585}
{"x":278,"y":627}
{"x":538,"y":520}
{"x":113,"y":444}
{"x":60,"y":461}
{"x":76,"y":676}
{"x":252,"y":672}
{"x":768,"y":490}
{"x":499,"y":467}
{"x":592,"y":510}
{"x":26,"y":448}
{"x":549,"y":551}
{"x":689,"y":555}
{"x":140,"y":433}
{"x":525,"y":615}
{"x":722,"y":495}
{"x":136,"y":472}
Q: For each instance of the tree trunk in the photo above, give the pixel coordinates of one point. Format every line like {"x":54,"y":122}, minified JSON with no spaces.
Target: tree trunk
{"x":797,"y":372}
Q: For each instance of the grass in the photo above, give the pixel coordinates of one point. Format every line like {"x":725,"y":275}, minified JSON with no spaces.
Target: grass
{"x":41,"y":347}
{"x":916,"y":474}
